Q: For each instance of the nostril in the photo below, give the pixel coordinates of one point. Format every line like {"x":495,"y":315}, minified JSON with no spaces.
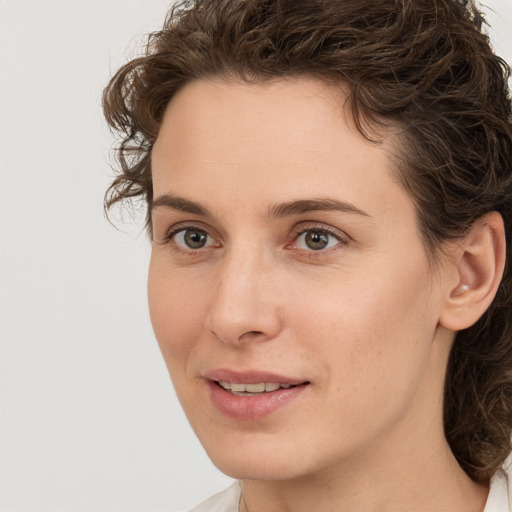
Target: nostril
{"x":248,"y":334}
{"x":251,"y":335}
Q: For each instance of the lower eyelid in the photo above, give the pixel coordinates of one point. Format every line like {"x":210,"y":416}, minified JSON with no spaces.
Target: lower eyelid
{"x":340,"y":238}
{"x":330,"y":244}
{"x":170,"y":237}
{"x":210,"y":241}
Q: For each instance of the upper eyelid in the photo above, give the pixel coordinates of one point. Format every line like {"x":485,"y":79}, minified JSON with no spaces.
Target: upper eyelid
{"x":175,"y":229}
{"x":340,"y":241}
{"x":164,"y":237}
{"x":326,"y":231}
{"x":316,"y":226}
{"x":298,"y":229}
{"x":183,"y":226}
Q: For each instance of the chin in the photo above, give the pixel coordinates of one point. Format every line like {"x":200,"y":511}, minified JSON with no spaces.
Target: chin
{"x":248,"y":469}
{"x":264,"y":460}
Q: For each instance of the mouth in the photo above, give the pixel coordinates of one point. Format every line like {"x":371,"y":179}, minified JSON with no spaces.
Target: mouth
{"x":256,"y":389}
{"x":253,"y":395}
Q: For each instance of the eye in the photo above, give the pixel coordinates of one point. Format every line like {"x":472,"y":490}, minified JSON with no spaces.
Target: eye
{"x":192,"y":238}
{"x":316,"y":240}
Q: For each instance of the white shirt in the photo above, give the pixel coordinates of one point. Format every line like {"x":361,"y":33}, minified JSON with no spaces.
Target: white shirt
{"x":499,"y":499}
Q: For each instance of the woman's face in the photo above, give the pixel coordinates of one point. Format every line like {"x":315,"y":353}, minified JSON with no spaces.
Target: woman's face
{"x":287,"y":258}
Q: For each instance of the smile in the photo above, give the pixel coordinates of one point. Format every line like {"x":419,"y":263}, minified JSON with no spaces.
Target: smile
{"x":253,"y":401}
{"x":240,"y":389}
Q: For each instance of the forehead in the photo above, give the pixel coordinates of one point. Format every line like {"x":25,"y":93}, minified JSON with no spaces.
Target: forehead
{"x":281,"y":127}
{"x":272,"y":112}
{"x":240,"y":149}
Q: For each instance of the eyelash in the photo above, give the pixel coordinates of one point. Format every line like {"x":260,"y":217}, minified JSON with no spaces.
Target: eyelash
{"x":341,"y":238}
{"x":171,"y":234}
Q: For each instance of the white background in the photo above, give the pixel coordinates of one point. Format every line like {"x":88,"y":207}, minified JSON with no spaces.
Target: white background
{"x":88,"y":418}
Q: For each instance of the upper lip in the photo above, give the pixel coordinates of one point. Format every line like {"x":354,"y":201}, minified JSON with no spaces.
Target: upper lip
{"x":250,"y":377}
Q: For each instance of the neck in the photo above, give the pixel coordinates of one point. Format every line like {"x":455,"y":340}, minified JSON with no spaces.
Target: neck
{"x":433,"y":482}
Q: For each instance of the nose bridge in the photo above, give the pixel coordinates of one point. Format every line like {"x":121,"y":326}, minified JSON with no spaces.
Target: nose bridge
{"x":243,"y":307}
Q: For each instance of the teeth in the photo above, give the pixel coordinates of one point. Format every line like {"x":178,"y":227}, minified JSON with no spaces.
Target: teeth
{"x":254,"y":388}
{"x":261,"y":387}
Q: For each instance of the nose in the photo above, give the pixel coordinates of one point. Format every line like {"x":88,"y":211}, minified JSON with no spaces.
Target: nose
{"x":245,"y":301}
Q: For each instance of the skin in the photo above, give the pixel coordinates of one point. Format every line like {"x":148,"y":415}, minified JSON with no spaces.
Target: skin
{"x":360,"y":320}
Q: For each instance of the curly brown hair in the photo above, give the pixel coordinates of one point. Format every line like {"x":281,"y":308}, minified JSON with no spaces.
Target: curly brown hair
{"x":423,"y":67}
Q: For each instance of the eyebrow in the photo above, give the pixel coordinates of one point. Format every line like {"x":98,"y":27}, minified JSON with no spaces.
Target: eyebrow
{"x":326,"y":204}
{"x":179,"y":204}
{"x":280,"y":210}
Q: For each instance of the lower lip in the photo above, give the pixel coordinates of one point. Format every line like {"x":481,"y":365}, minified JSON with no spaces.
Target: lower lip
{"x":252,"y":407}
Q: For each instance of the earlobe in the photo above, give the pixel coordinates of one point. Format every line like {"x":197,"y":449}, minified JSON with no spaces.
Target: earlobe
{"x":479,"y":263}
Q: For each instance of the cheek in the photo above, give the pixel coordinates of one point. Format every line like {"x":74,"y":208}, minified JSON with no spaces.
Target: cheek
{"x":177,"y":307}
{"x":374,"y":331}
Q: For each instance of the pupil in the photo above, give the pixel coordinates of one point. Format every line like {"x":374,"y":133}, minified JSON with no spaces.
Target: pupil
{"x":316,"y":240}
{"x":195,"y":239}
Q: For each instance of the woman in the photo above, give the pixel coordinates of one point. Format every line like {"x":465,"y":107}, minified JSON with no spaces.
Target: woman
{"x":329,"y":195}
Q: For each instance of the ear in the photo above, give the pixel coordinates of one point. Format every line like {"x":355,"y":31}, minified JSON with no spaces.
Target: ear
{"x":478,"y":264}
